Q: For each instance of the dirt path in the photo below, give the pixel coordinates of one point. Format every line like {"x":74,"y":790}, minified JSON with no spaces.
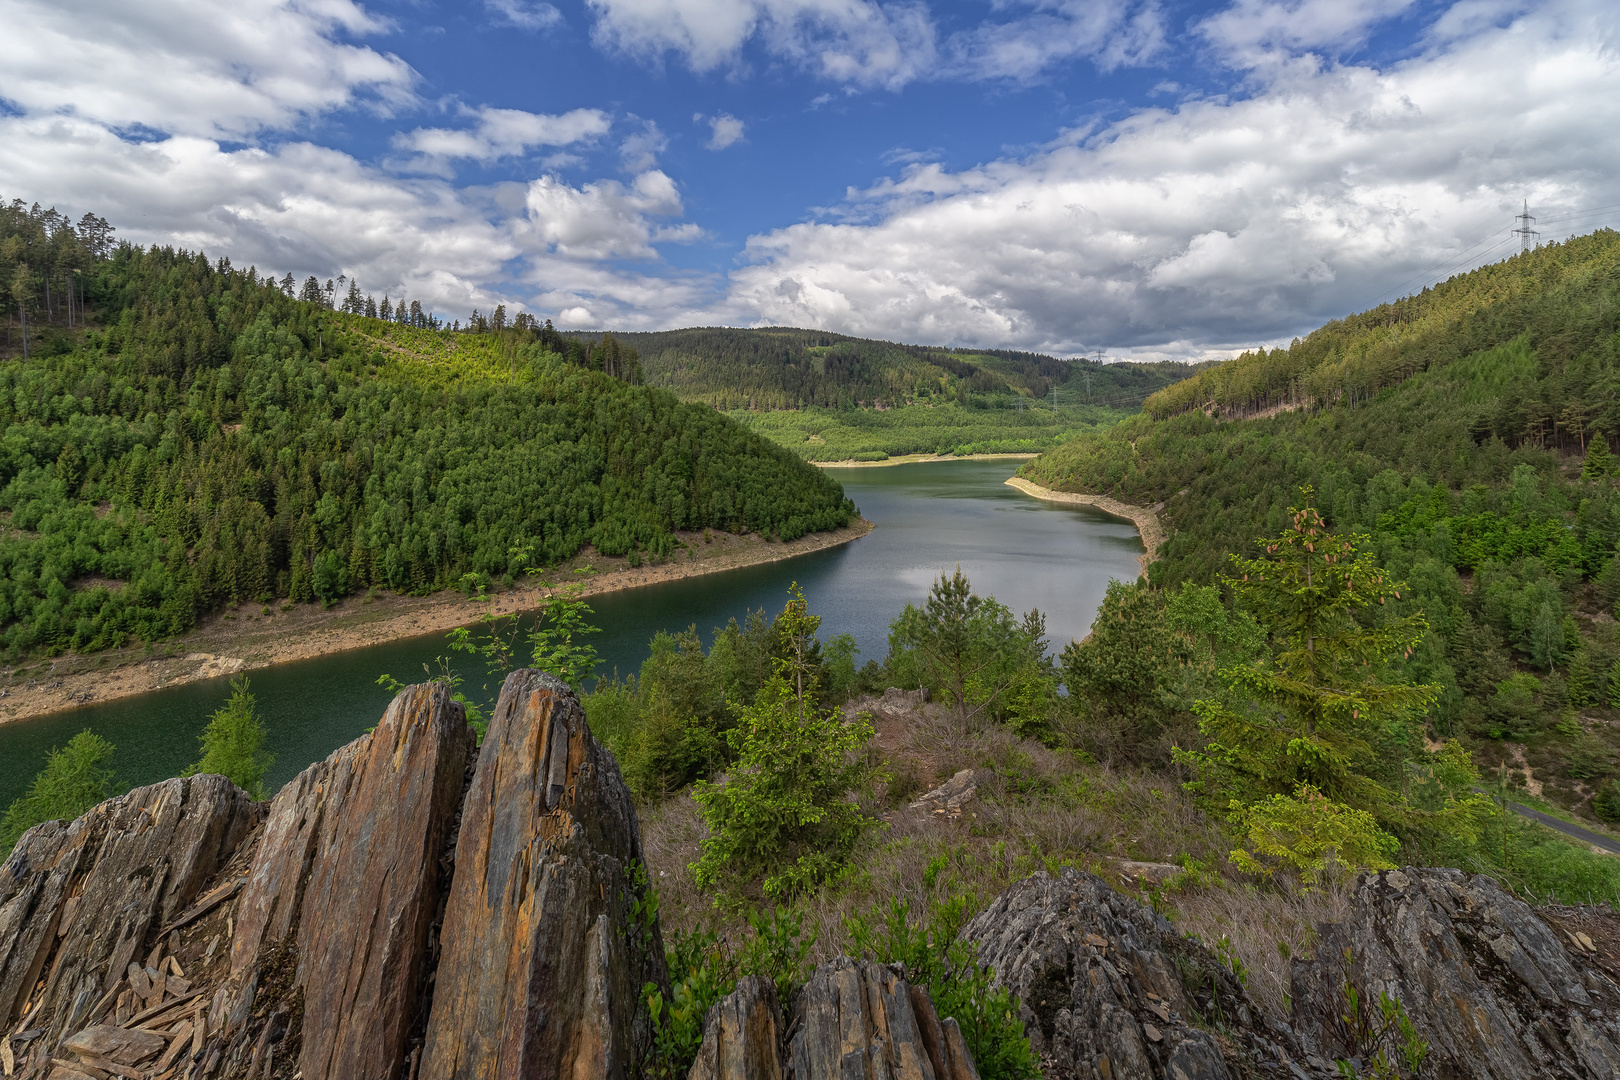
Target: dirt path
{"x":1146,"y":520}
{"x":255,"y":636}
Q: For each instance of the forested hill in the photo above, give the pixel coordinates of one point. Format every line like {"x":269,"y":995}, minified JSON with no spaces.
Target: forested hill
{"x":1469,"y":432}
{"x":782,"y":368}
{"x":210,"y":439}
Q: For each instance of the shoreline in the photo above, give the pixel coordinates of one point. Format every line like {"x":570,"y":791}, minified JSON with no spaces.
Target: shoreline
{"x":918,"y":459}
{"x":252,"y":637}
{"x":1148,"y":525}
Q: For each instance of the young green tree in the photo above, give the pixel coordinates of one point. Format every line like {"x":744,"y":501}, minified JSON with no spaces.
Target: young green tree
{"x":785,"y":812}
{"x":74,"y":779}
{"x":1319,"y":719}
{"x":233,"y":743}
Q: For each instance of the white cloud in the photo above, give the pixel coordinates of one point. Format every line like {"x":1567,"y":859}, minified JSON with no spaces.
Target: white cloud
{"x":724,"y":130}
{"x":603,"y":220}
{"x":195,"y":67}
{"x":851,"y":41}
{"x":500,"y":133}
{"x":1254,"y":30}
{"x":525,"y":14}
{"x":1109,"y":33}
{"x":867,"y":43}
{"x":639,"y":151}
{"x":1219,"y":222}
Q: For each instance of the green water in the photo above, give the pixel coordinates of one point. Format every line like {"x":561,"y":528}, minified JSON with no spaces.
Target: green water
{"x":929,"y":517}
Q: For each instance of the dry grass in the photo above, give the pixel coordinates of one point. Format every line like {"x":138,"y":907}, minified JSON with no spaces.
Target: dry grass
{"x":1036,"y":809}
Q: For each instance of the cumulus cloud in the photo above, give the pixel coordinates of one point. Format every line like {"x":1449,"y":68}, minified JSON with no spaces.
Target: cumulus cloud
{"x":499,"y":133}
{"x":1219,"y":222}
{"x":1109,"y":33}
{"x":525,"y":14}
{"x":193,"y":67}
{"x":640,"y":149}
{"x":724,"y":130}
{"x":605,"y":219}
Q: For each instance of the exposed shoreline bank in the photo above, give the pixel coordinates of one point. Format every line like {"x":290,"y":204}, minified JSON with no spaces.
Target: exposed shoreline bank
{"x":1147,"y":522}
{"x":917,"y":459}
{"x":248,"y":639}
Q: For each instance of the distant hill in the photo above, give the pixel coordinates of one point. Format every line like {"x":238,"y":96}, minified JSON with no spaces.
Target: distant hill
{"x":785,"y":368}
{"x":187,"y":435}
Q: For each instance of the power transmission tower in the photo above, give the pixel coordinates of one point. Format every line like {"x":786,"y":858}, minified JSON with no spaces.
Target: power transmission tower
{"x":1524,"y":232}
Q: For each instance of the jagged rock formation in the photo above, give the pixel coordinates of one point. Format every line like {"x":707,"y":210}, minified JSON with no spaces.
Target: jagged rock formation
{"x":548,"y":940}
{"x":80,"y":901}
{"x":181,"y":931}
{"x":329,"y":955}
{"x":1496,"y":991}
{"x":1108,"y":989}
{"x":854,"y":1020}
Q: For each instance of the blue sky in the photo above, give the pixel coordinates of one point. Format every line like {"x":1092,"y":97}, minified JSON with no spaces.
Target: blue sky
{"x":1145,"y":177}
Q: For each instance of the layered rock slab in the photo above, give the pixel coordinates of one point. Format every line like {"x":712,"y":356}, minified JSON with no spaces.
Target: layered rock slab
{"x":548,"y":933}
{"x":78,"y":900}
{"x":853,"y":1020}
{"x":331,"y":945}
{"x":1103,"y":988}
{"x":1495,"y":991}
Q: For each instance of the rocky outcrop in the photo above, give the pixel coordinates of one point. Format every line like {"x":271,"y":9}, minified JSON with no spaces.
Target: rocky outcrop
{"x":742,"y":1035}
{"x":80,"y":900}
{"x":854,"y":1020}
{"x":950,"y":797}
{"x":1108,"y":989}
{"x":328,"y":960}
{"x":1495,"y":990}
{"x":549,"y":936}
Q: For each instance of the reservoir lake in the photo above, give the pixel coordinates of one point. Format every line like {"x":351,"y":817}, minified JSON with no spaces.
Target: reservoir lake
{"x":930,"y":517}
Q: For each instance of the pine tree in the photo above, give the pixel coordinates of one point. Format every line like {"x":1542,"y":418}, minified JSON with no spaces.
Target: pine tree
{"x":233,"y":743}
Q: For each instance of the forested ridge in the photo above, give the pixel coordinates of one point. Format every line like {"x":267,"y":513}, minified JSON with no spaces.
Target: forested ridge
{"x":1468,"y":434}
{"x":209,"y":439}
{"x":788,"y":368}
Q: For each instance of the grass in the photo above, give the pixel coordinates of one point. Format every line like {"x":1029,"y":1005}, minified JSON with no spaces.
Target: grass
{"x":948,"y":428}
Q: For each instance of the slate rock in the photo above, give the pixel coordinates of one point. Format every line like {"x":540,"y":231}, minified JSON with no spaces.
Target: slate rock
{"x":346,"y":883}
{"x":133,"y":863}
{"x":546,"y":940}
{"x":115,"y":1044}
{"x":858,"y":1020}
{"x":1094,"y":970}
{"x":1490,"y":986}
{"x":742,"y":1035}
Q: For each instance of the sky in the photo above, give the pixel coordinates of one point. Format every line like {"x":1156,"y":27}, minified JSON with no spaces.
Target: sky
{"x":1147,"y":179}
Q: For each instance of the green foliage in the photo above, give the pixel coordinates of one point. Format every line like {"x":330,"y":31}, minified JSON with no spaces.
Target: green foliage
{"x":784,"y":813}
{"x":996,"y":427}
{"x":1126,"y":679}
{"x":557,"y":637}
{"x":1321,"y":715}
{"x":1606,"y":803}
{"x":1310,"y":834}
{"x":931,"y":956}
{"x":1381,"y":1037}
{"x":233,"y":743}
{"x":75,"y":778}
{"x":703,"y":968}
{"x":973,"y":653}
{"x":217,"y":440}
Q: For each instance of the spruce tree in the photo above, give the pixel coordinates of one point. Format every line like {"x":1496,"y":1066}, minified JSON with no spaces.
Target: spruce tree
{"x":74,"y":779}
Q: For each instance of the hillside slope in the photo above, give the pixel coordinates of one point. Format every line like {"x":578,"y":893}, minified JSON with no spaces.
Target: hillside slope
{"x":1468,"y":431}
{"x":211,"y":440}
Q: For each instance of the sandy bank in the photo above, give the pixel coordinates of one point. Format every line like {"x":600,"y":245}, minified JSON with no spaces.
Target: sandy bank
{"x":911,"y":459}
{"x":1146,"y":521}
{"x":255,"y":636}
